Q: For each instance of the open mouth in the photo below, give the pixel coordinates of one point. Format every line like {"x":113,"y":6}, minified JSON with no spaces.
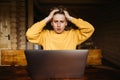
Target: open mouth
{"x":58,"y":29}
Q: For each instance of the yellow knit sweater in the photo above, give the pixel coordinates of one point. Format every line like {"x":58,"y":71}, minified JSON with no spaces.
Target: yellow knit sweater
{"x":68,"y":40}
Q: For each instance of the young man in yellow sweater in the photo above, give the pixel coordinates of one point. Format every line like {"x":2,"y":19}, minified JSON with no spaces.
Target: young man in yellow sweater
{"x":59,"y":38}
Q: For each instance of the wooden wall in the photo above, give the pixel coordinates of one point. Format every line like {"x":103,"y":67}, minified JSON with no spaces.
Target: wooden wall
{"x":107,"y":36}
{"x":18,"y":27}
{"x":14,"y":12}
{"x":17,"y":22}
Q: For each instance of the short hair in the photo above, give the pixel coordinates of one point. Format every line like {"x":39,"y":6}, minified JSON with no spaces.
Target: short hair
{"x":60,"y":8}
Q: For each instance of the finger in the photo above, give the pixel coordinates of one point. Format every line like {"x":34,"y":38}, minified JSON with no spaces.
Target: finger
{"x":55,"y":10}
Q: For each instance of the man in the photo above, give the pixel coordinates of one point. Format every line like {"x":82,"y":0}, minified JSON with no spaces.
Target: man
{"x":59,"y":38}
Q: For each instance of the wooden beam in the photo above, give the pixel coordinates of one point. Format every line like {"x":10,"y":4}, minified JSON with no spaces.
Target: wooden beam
{"x":30,"y":19}
{"x":73,"y":1}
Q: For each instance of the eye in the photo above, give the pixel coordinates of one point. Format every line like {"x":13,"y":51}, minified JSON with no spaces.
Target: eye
{"x":62,"y":21}
{"x":55,"y":21}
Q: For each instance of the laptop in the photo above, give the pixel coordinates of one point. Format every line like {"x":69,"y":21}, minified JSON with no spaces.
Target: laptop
{"x":44,"y":64}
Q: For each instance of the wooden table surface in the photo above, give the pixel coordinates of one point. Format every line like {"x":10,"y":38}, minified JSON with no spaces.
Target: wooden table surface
{"x":91,"y":73}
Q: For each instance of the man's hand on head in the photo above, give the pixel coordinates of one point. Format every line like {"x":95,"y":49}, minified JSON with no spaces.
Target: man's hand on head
{"x":67,"y":15}
{"x":50,"y":16}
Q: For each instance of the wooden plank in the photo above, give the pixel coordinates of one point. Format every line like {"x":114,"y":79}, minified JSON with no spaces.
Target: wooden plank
{"x":13,"y":57}
{"x":17,"y":57}
{"x":94,"y":57}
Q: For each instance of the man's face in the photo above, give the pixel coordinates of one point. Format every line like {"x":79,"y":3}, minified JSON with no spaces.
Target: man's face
{"x":59,"y":23}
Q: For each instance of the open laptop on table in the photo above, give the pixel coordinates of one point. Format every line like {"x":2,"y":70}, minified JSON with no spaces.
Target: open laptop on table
{"x":42,"y":64}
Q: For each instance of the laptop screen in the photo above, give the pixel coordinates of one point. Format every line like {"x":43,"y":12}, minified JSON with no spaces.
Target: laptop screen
{"x":56,"y":63}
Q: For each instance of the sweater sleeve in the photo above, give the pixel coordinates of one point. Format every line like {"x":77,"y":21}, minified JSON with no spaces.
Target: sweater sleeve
{"x":34,"y":33}
{"x":85,"y":30}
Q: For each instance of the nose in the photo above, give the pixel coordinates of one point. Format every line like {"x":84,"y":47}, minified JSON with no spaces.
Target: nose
{"x":58,"y":24}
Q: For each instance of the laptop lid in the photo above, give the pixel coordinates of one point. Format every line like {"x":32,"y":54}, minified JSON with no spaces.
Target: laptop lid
{"x":56,"y":63}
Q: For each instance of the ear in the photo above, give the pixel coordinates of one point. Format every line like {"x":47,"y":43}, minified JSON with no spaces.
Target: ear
{"x":51,"y":23}
{"x":66,"y":23}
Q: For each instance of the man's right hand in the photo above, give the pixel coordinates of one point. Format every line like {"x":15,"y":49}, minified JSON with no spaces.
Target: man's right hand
{"x":50,"y":16}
